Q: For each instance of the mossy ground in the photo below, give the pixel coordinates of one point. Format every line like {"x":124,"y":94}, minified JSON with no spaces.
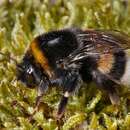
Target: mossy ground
{"x":20,"y":22}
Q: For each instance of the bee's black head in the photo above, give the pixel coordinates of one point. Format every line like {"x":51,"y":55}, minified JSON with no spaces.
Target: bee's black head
{"x":29,"y":73}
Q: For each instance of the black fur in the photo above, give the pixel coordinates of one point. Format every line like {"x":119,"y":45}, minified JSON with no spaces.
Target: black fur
{"x":119,"y":65}
{"x":66,"y":43}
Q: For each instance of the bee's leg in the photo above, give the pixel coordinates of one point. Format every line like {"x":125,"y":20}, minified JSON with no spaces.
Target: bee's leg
{"x":70,"y":86}
{"x":105,"y":83}
{"x":42,"y":88}
{"x":114,"y":98}
{"x":62,"y":105}
{"x":110,"y":88}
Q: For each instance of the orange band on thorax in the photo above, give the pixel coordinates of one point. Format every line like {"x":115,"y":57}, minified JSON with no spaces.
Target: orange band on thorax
{"x":41,"y":58}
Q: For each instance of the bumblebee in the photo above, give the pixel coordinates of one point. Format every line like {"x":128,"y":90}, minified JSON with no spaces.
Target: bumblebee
{"x":70,"y":57}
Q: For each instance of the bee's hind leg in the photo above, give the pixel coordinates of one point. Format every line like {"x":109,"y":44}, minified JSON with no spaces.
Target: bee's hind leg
{"x":109,"y":85}
{"x":42,"y":88}
{"x":113,"y":96}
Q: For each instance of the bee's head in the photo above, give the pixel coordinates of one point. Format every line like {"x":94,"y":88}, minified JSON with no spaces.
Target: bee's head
{"x":28,"y":73}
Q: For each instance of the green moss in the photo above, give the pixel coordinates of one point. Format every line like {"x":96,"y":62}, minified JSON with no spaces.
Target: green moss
{"x":20,"y":22}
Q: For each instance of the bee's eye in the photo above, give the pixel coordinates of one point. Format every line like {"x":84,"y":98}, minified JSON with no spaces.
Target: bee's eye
{"x":30,"y":70}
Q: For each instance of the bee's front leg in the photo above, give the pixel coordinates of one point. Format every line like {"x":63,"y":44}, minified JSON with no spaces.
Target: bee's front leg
{"x":42,"y":88}
{"x":72,"y":81}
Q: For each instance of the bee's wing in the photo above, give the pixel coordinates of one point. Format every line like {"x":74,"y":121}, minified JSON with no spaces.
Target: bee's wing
{"x":98,"y":42}
{"x":105,"y":40}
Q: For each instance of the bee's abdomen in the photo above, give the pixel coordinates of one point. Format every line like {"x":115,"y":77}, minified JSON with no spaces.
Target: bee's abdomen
{"x":115,"y":65}
{"x":105,"y":63}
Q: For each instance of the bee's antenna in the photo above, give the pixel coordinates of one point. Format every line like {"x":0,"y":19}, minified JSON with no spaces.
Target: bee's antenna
{"x":8,"y":56}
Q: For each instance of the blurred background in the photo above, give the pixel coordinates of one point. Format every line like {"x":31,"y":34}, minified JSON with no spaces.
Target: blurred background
{"x":20,"y":22}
